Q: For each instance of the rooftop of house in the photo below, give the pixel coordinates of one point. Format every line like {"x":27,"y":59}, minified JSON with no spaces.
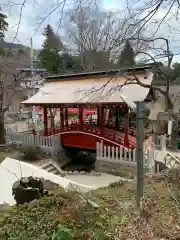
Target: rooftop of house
{"x":96,"y":73}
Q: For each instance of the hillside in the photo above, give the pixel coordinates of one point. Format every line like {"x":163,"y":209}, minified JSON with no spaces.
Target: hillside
{"x":10,"y":45}
{"x":17,"y":52}
{"x":17,"y":49}
{"x":105,"y":214}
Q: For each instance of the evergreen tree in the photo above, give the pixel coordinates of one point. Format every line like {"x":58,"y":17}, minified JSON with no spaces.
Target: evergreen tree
{"x":3,"y":25}
{"x":53,"y":56}
{"x":127,"y":57}
{"x":70,"y":63}
{"x":176,"y":70}
{"x":49,"y":56}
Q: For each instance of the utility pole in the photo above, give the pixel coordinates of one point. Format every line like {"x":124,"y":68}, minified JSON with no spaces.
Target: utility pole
{"x":32,"y":65}
{"x":31,"y":57}
{"x":139,"y":152}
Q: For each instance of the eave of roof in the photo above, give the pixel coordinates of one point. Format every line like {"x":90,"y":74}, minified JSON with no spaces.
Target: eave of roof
{"x":92,"y":91}
{"x":107,"y":72}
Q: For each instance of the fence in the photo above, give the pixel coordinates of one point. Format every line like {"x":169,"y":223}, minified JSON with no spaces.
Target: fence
{"x":13,"y":108}
{"x":50,"y":144}
{"x":13,"y":129}
{"x":123,"y":155}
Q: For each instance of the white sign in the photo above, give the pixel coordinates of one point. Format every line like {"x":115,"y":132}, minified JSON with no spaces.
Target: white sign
{"x":163,"y":116}
{"x":34,"y":116}
{"x":169,"y":128}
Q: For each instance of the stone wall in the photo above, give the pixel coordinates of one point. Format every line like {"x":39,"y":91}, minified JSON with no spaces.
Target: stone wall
{"x":115,"y":167}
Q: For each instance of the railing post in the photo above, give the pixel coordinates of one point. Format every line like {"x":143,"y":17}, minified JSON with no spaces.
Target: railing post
{"x":55,"y":145}
{"x":97,"y":150}
{"x":163,"y":143}
{"x":101,"y":149}
{"x":150,"y":161}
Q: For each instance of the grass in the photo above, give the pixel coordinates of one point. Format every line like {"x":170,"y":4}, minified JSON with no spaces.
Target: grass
{"x":12,"y":154}
{"x":123,"y":171}
{"x":114,"y":216}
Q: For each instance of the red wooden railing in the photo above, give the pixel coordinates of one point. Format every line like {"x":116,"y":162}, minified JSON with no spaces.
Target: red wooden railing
{"x":116,"y":136}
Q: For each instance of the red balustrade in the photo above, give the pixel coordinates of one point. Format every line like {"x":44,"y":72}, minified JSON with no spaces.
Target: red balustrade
{"x":109,"y":134}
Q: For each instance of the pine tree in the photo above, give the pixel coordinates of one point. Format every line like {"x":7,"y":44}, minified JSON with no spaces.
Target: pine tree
{"x":3,"y":25}
{"x":176,"y":70}
{"x":53,"y":56}
{"x":70,"y":62}
{"x":50,"y":54}
{"x":127,"y":57}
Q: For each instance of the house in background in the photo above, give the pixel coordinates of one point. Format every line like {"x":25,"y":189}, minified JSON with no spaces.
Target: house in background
{"x":26,"y":84}
{"x":30,"y":83}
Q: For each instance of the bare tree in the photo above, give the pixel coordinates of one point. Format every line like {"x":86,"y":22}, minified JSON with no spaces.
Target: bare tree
{"x":92,"y":31}
{"x":8,"y":80}
{"x":155,"y":14}
{"x":155,"y":53}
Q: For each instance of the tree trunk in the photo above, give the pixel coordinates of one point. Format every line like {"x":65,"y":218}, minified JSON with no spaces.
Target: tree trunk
{"x":2,"y":130}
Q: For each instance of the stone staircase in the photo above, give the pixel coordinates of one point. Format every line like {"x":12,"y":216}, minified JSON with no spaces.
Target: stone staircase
{"x":171,"y":159}
{"x":53,"y":167}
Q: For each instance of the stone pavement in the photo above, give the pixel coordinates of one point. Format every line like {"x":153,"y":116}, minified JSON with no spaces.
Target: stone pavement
{"x":96,"y":181}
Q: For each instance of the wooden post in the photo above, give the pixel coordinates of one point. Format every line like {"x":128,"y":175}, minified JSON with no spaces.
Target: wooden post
{"x":45,"y":122}
{"x":139,"y":153}
{"x":102,"y":120}
{"x":126,"y":127}
{"x":61,"y":119}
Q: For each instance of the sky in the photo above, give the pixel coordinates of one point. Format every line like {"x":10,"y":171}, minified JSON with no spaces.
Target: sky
{"x":32,"y":21}
{"x":32,"y":15}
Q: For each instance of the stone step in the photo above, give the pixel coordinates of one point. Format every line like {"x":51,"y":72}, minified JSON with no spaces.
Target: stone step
{"x":45,"y":165}
{"x":53,"y":167}
{"x":54,"y":171}
{"x":50,"y":168}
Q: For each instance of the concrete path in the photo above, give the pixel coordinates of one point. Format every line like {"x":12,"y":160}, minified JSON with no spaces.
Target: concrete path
{"x":95,"y":181}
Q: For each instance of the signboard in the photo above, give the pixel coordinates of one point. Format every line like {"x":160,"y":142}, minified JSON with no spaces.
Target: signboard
{"x":169,"y":127}
{"x":34,"y":116}
{"x":163,"y":116}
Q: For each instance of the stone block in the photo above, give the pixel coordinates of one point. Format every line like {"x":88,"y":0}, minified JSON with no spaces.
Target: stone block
{"x":116,"y":168}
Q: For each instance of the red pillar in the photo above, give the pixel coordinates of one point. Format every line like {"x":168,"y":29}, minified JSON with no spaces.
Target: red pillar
{"x":81,"y":117}
{"x":117,"y":123}
{"x":66,"y":116}
{"x":102,"y":120}
{"x":45,"y":122}
{"x":61,"y":119}
{"x":126,"y":127}
{"x":98,"y":116}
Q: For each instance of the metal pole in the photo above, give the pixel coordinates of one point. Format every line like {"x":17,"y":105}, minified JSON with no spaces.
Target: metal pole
{"x":32,"y":66}
{"x":139,"y":152}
